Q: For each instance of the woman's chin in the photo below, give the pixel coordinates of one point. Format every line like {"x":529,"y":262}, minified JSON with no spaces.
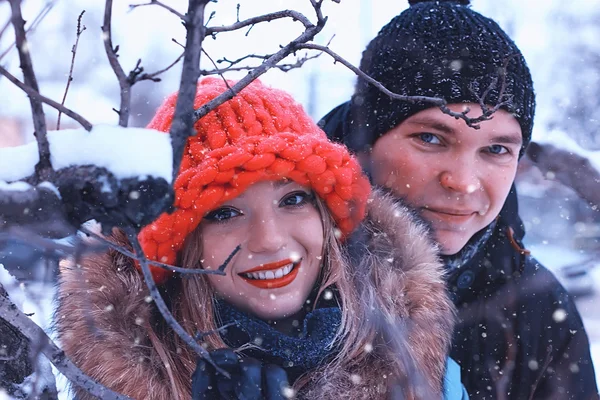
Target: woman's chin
{"x":273,"y":311}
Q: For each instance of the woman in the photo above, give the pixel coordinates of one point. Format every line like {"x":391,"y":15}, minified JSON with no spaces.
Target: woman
{"x":330,"y":291}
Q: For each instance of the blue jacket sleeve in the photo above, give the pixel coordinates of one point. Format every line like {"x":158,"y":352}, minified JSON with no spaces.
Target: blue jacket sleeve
{"x":453,"y":388}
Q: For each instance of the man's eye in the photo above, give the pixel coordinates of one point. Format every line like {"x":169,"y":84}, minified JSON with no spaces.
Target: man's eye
{"x":295,"y":199}
{"x":497,"y":149}
{"x":222,"y":214}
{"x":429,"y":138}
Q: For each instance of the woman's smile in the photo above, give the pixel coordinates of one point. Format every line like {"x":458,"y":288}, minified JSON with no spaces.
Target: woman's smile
{"x":273,"y":275}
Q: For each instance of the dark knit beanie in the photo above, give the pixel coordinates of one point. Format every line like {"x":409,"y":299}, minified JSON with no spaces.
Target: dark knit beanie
{"x":437,"y":49}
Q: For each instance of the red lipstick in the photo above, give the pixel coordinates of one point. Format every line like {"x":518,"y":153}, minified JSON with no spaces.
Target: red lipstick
{"x":276,"y":282}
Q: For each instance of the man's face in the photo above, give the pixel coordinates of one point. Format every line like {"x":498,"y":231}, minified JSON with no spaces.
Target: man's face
{"x":456,"y":176}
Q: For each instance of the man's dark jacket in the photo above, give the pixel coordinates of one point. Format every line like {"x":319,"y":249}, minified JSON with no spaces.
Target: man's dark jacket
{"x":519,"y":334}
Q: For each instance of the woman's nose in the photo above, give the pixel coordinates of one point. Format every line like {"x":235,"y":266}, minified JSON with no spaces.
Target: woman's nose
{"x":267,"y":234}
{"x":461,"y":178}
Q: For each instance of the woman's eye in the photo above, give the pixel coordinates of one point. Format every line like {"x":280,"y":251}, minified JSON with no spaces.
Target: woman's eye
{"x":294,"y":199}
{"x":222,"y":214}
{"x":429,"y":138}
{"x":497,"y":149}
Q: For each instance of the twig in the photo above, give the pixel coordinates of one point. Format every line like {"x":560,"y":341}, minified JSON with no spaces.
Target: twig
{"x":158,"y":3}
{"x":122,"y":250}
{"x":183,"y":118}
{"x":307,"y":35}
{"x":39,"y":119}
{"x":210,"y":17}
{"x":282,"y":67}
{"x":215,"y":65}
{"x":4,"y":28}
{"x":111,"y":53}
{"x":435,"y":101}
{"x":11,"y":314}
{"x":36,"y":21}
{"x":70,"y":78}
{"x":201,"y":335}
{"x":153,"y":76}
{"x":36,"y":95}
{"x":294,"y":15}
{"x":162,"y":307}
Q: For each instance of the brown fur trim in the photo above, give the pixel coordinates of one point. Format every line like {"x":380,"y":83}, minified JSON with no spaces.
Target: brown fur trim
{"x":102,"y":317}
{"x":102,"y":320}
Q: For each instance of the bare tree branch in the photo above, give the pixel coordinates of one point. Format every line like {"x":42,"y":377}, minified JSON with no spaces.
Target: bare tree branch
{"x":294,"y":15}
{"x":39,"y":119}
{"x":161,"y":4}
{"x":124,"y":251}
{"x":35,"y":94}
{"x":36,"y":21}
{"x":307,"y":35}
{"x":111,"y":53}
{"x":10,"y":313}
{"x":183,"y":118}
{"x":154,"y":76}
{"x":74,"y":51}
{"x":162,"y":307}
{"x":282,"y":67}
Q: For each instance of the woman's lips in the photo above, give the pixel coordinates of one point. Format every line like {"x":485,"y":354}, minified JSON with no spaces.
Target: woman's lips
{"x":273,"y":283}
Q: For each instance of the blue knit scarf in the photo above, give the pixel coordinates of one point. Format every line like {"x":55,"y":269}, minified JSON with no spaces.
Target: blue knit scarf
{"x":303,"y":352}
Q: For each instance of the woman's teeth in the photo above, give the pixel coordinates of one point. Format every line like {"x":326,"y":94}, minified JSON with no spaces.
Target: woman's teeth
{"x":278,"y":273}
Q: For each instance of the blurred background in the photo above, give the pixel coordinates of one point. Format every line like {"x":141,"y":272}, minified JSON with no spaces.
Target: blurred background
{"x":559,"y":40}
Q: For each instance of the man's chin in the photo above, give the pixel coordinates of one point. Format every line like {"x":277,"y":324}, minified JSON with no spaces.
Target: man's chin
{"x":450,"y":245}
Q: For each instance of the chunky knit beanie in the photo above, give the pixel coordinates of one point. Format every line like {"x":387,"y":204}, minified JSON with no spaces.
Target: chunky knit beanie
{"x":438,"y":49}
{"x":260,"y":134}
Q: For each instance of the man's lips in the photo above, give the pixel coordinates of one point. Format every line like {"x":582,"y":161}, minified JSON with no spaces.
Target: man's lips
{"x":447,"y":216}
{"x":273,"y":283}
{"x":451,"y":211}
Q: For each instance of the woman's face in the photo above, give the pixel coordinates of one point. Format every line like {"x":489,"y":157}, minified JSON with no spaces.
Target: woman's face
{"x":281,"y":235}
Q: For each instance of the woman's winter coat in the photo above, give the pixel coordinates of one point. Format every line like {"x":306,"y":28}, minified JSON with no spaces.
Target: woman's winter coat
{"x":104,"y":314}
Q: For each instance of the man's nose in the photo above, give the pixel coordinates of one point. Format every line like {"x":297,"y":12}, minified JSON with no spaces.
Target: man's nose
{"x":267,"y":234}
{"x":460,"y":177}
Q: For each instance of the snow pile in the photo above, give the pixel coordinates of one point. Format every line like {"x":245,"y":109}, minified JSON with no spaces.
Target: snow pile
{"x":126,"y":152}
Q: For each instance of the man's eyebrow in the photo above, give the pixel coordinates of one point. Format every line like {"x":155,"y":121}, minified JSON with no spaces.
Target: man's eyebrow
{"x":432,"y":123}
{"x":508,"y":139}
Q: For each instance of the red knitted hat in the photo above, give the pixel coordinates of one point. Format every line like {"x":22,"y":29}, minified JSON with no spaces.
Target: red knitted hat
{"x":260,"y":134}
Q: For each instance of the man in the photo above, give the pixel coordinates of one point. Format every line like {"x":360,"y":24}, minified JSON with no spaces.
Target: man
{"x":519,"y":335}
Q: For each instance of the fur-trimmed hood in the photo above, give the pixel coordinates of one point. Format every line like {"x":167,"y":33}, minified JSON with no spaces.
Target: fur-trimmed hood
{"x":104,"y":311}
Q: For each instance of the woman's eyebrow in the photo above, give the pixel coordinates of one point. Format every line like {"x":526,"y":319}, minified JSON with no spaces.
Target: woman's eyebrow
{"x":279,"y":184}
